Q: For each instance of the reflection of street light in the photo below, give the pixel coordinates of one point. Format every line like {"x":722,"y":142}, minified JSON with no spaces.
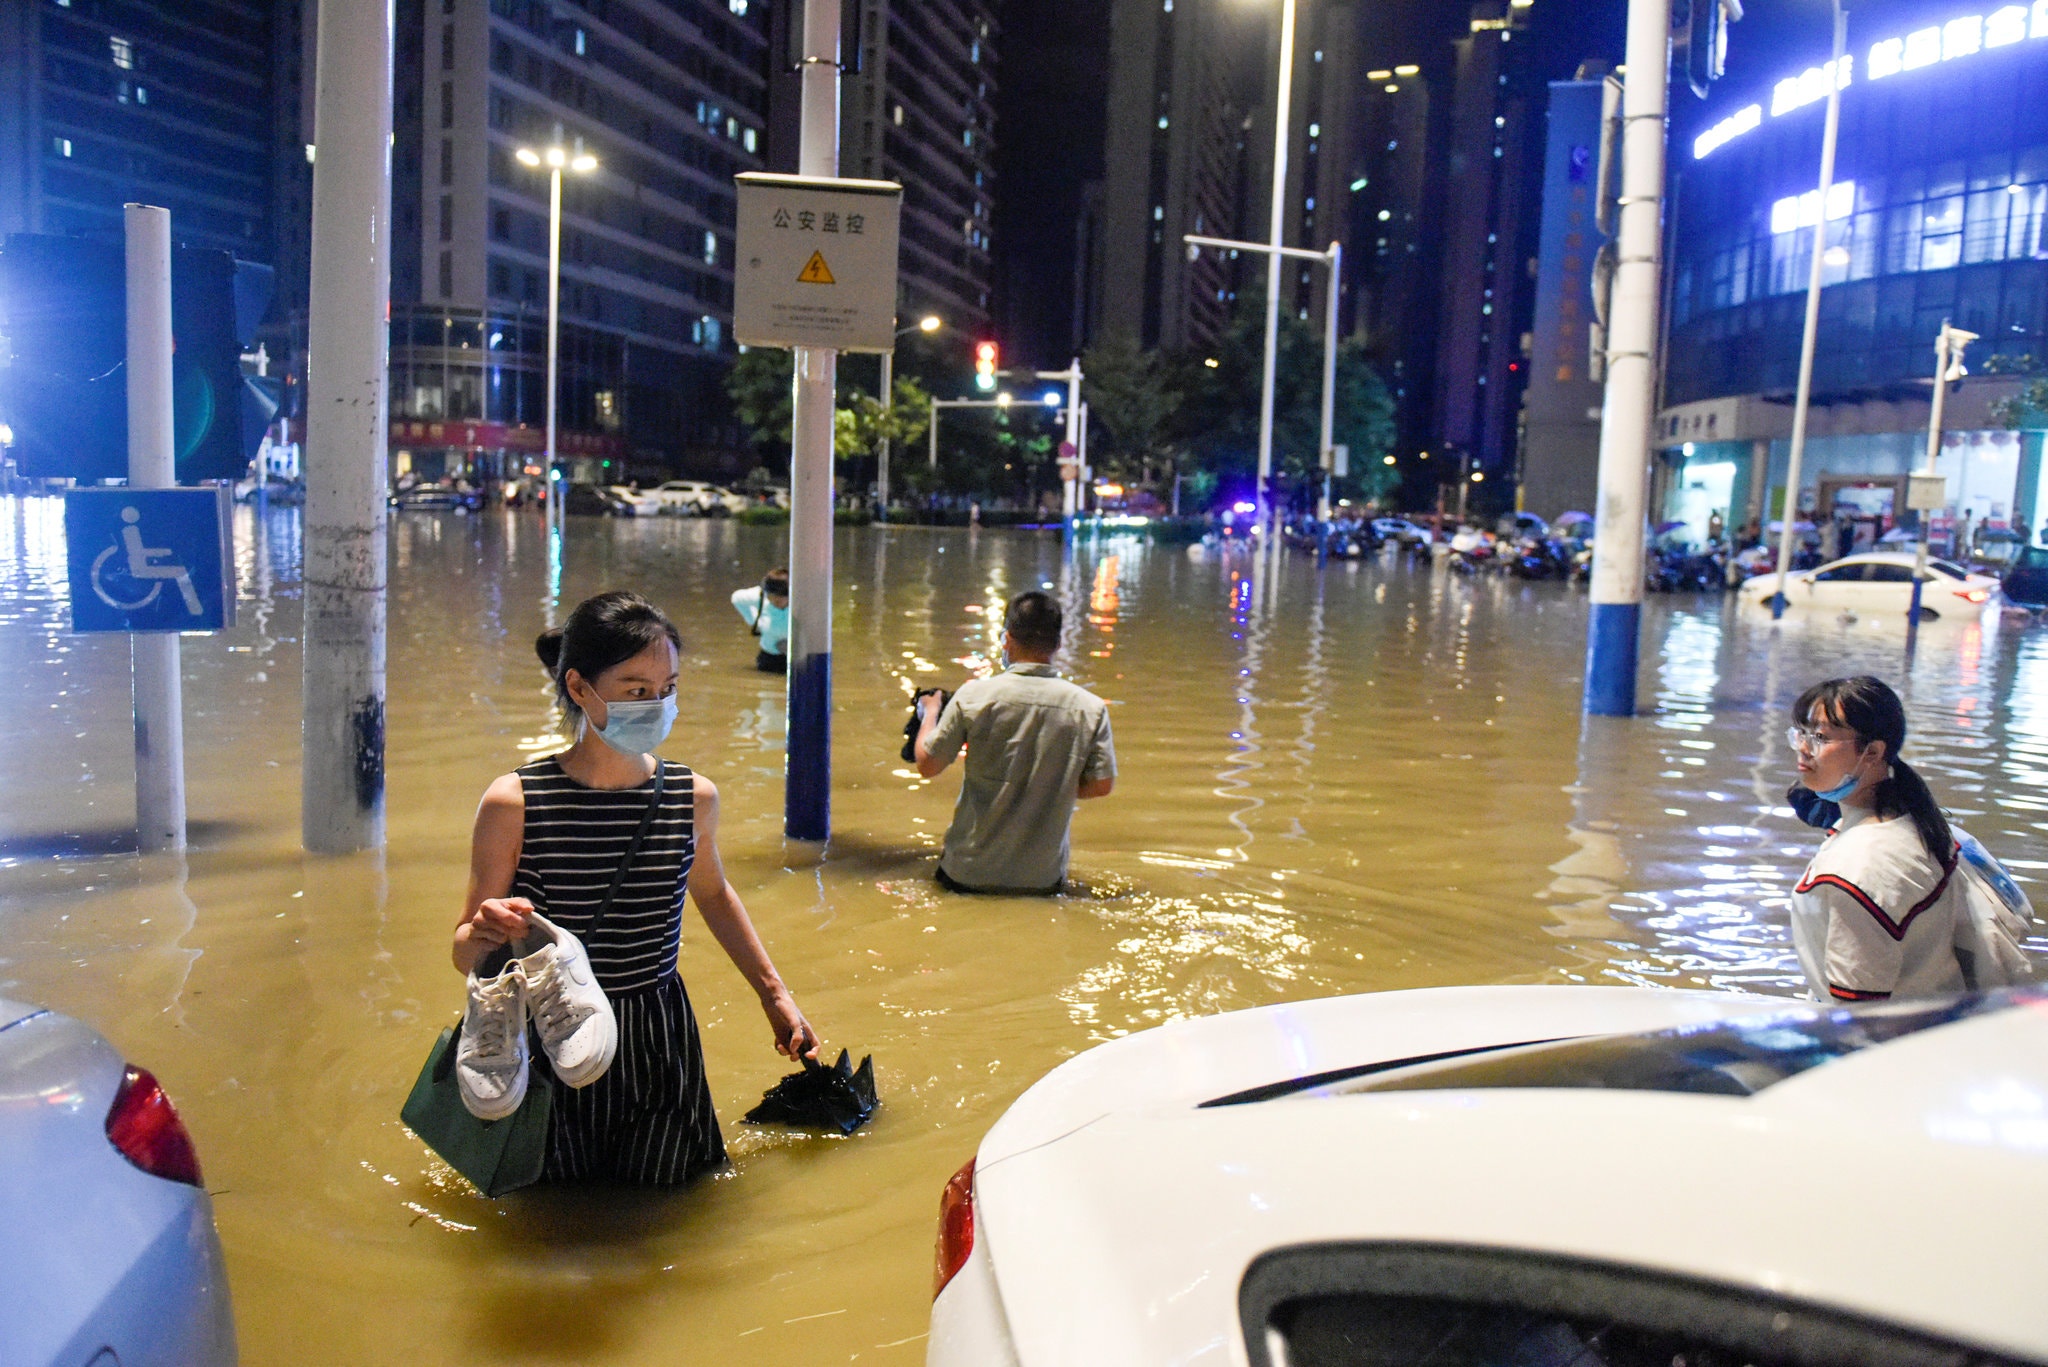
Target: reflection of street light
{"x":930,"y":323}
{"x":555,"y":158}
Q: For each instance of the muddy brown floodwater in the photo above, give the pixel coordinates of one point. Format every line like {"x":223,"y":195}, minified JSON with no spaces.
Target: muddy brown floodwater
{"x":1370,"y":777}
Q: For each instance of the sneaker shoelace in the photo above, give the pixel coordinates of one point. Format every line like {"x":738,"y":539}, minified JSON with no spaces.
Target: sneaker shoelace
{"x":556,"y":1015}
{"x":495,"y":1031}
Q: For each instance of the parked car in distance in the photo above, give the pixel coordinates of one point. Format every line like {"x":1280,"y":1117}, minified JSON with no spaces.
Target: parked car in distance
{"x":635,"y":502}
{"x":1878,"y":582}
{"x":1531,"y":1174}
{"x":594,"y":500}
{"x":111,"y":1250}
{"x":1401,"y":529}
{"x":696,"y":498}
{"x":437,"y":498}
{"x":2026,"y":583}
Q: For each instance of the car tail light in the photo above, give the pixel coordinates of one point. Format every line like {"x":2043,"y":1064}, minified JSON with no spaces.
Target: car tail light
{"x":1973,"y":595}
{"x":145,"y":1127}
{"x":956,"y":1228}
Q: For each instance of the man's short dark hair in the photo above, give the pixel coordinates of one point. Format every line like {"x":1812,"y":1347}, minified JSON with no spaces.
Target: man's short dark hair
{"x":775,"y":583}
{"x":1034,"y":619}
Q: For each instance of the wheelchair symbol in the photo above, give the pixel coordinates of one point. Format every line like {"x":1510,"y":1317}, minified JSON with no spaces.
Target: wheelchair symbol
{"x":121,"y":584}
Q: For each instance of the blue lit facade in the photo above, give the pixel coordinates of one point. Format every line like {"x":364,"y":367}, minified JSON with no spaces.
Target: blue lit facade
{"x":1940,"y":212}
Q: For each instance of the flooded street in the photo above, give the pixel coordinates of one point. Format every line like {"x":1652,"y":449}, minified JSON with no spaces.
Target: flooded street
{"x":1363,"y":778}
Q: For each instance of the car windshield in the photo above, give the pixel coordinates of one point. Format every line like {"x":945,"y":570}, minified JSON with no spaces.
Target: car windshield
{"x":1950,"y":568}
{"x":2032,"y":558}
{"x":1737,"y":1057}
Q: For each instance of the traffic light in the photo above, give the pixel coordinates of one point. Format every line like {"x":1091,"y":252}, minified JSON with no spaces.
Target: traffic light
{"x":984,"y":366}
{"x":1699,"y":39}
{"x":66,"y":392}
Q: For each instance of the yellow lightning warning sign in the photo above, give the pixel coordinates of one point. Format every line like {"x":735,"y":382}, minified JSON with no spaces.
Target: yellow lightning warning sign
{"x":815,"y":271}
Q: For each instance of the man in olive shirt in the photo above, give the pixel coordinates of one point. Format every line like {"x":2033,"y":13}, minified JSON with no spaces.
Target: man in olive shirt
{"x":1036,"y":745}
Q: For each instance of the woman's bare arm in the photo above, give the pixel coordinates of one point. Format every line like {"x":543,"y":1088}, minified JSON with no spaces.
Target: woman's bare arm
{"x":720,"y":907}
{"x":489,"y":917}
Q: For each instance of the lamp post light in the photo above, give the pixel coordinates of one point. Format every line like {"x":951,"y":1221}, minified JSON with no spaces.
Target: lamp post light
{"x":1803,"y":396}
{"x":931,"y":322}
{"x":557,"y":159}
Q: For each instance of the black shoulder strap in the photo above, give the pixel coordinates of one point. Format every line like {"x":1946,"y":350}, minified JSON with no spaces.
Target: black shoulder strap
{"x":632,"y":846}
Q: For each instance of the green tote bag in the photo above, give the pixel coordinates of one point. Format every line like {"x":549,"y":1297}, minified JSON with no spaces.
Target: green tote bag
{"x":496,"y":1156}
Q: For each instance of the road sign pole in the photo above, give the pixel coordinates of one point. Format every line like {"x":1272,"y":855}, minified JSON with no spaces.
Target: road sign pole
{"x":342,"y":786}
{"x":1626,"y":415}
{"x":152,"y":464}
{"x":807,"y":791}
{"x":882,"y":447}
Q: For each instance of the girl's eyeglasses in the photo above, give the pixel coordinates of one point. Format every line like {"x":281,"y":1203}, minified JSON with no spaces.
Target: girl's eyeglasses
{"x":1800,"y":738}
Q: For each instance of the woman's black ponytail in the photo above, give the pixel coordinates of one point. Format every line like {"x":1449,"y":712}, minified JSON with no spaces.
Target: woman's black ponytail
{"x":1867,"y":706}
{"x":1904,"y":793}
{"x":601,"y":633}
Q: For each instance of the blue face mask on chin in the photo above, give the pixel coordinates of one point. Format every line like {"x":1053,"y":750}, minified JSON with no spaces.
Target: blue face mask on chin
{"x":1839,"y":791}
{"x":636,"y":728}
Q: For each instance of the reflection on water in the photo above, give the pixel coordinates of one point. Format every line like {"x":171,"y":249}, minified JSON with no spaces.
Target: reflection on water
{"x":1361,"y":778}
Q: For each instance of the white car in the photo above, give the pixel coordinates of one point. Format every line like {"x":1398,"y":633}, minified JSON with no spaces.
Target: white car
{"x":1878,"y":583}
{"x":695,"y":498}
{"x":1401,"y":529}
{"x":641,"y":502}
{"x":1543,"y":1175}
{"x":106,"y":1228}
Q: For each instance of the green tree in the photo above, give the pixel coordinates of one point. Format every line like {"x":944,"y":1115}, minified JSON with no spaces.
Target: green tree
{"x":1218,"y":423}
{"x":759,"y":386}
{"x":1131,"y":397}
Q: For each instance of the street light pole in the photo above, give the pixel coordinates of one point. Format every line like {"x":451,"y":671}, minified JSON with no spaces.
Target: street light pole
{"x":556,"y":159}
{"x":1282,"y":99}
{"x":931,"y":322}
{"x":558,"y":487}
{"x":1812,"y":333}
{"x":1334,"y":259}
{"x":1948,"y":367}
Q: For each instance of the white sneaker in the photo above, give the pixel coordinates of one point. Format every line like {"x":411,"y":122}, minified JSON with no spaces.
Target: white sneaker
{"x":577,"y":1028}
{"x":491,"y":1059}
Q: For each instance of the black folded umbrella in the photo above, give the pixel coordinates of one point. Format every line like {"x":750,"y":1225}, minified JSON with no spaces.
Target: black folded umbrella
{"x":910,"y":727}
{"x":840,"y":1097}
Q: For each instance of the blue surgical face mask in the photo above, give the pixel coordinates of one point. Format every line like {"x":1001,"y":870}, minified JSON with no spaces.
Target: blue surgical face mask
{"x":1839,"y":791}
{"x":635,"y":728}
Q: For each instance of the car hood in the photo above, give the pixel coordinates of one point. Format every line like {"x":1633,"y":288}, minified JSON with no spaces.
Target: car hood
{"x":1125,"y":1239}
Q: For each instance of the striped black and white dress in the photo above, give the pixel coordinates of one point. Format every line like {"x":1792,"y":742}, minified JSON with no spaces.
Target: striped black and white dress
{"x":649,"y":1119}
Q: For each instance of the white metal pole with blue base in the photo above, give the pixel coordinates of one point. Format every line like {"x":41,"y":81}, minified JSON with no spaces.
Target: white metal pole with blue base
{"x":1629,"y":407}
{"x":807,"y":786}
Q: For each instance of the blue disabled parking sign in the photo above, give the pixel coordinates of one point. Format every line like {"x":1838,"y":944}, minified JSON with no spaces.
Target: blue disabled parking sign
{"x":149,"y":559}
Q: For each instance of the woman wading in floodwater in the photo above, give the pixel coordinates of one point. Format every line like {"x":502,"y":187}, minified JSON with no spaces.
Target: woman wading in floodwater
{"x":549,"y":839}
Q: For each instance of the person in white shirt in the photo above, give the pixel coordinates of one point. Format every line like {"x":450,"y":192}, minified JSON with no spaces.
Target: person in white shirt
{"x":765,"y":610}
{"x":1876,"y":913}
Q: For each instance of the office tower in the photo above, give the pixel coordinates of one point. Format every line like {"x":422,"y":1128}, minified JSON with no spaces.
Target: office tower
{"x":1560,"y":455}
{"x":670,"y":97}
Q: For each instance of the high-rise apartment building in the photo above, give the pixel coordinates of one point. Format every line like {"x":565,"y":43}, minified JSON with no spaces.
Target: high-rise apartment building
{"x":1391,"y":272}
{"x":1183,"y":98}
{"x":670,"y":98}
{"x":1189,"y":150}
{"x":105,"y":102}
{"x":917,"y":104}
{"x":1488,"y":230}
{"x":920,"y":110}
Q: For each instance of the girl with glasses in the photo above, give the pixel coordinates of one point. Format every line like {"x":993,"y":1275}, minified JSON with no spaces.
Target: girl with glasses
{"x":1885,"y":905}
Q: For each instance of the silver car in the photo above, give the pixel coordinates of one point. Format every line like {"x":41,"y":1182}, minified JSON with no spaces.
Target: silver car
{"x":107,"y":1233}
